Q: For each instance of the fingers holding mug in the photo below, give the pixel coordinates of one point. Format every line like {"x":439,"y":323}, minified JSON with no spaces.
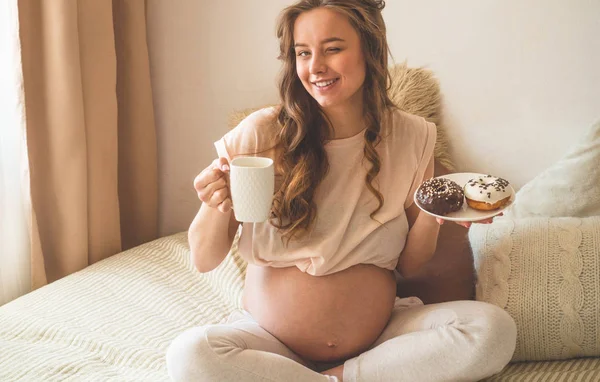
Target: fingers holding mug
{"x":225,"y":206}
{"x":212,"y":184}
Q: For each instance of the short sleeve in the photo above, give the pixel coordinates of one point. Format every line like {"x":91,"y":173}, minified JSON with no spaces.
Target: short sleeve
{"x":253,"y":136}
{"x":428,"y":145}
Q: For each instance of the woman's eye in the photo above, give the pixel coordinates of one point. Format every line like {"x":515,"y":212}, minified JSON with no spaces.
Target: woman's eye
{"x":302,"y":53}
{"x":333,"y":50}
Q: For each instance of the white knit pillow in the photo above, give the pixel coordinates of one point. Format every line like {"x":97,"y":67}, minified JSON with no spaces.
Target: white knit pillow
{"x":545,"y":272}
{"x":570,"y":187}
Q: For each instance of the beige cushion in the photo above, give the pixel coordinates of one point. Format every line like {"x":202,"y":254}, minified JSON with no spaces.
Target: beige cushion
{"x":541,"y":261}
{"x":570,"y":187}
{"x":545,"y":272}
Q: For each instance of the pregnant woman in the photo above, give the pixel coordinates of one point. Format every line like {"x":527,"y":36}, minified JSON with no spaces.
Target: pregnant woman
{"x":320,"y":294}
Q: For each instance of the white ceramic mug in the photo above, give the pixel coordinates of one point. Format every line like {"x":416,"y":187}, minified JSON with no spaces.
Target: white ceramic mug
{"x":252,"y":184}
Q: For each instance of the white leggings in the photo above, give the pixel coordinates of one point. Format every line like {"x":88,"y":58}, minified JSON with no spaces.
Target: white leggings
{"x":452,"y":341}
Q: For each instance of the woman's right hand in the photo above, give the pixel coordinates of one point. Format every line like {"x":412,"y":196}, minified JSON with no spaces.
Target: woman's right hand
{"x":212,"y":185}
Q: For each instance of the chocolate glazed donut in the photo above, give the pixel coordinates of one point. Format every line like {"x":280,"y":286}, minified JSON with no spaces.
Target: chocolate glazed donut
{"x":440,"y":196}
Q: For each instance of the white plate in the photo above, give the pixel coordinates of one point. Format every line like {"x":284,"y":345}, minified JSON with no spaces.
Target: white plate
{"x":466,"y":213}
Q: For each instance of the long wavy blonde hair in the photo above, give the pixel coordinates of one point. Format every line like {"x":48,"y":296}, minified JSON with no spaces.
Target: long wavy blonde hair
{"x":303,"y":126}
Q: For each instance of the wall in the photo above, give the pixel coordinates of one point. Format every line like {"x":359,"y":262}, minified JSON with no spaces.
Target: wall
{"x":520,"y":79}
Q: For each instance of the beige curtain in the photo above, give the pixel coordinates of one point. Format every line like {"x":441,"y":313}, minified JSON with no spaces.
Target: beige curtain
{"x":90,"y":131}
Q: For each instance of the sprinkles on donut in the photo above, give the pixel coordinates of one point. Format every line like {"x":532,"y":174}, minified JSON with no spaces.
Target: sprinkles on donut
{"x":440,"y":196}
{"x":487,"y":192}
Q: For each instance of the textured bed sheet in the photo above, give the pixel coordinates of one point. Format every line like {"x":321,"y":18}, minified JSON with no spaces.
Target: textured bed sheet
{"x":114,"y":320}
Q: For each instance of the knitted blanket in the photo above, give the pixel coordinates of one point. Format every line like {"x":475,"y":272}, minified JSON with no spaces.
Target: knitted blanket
{"x":545,"y":272}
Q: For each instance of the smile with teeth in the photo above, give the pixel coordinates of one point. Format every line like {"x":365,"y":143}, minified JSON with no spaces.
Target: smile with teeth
{"x":324,"y":84}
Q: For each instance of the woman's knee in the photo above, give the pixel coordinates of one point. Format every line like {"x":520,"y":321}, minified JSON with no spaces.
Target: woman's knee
{"x":498,"y":336}
{"x":189,"y":354}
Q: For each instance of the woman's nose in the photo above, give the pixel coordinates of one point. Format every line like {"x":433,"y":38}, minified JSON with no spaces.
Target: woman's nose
{"x":317,"y":64}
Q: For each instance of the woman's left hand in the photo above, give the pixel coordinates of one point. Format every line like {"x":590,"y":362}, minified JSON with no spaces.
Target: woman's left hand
{"x":468,"y":224}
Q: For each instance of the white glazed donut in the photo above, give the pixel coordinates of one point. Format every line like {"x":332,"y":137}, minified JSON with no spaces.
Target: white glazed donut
{"x":487,"y":192}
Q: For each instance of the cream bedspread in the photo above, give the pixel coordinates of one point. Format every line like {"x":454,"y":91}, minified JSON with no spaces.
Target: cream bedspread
{"x":114,"y":320}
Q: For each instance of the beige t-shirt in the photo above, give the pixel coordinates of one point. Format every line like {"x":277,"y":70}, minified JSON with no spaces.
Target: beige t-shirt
{"x":343,"y":233}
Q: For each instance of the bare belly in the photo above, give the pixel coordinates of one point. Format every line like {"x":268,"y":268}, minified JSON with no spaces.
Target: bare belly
{"x":325,"y":318}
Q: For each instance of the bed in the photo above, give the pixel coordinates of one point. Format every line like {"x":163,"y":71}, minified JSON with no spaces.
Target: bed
{"x":114,"y":320}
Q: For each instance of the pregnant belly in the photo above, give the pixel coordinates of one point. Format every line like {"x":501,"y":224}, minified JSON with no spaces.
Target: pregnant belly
{"x":325,"y":318}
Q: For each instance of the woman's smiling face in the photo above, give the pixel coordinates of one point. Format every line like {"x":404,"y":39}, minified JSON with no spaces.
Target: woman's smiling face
{"x":329,"y":58}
